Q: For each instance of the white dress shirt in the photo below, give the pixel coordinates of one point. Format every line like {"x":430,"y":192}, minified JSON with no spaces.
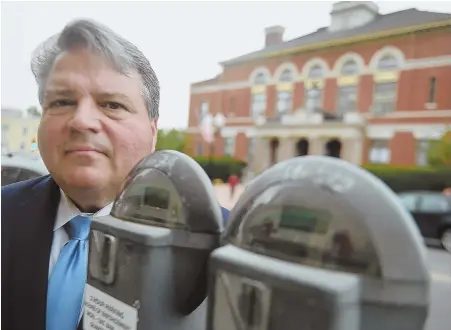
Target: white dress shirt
{"x":66,"y":212}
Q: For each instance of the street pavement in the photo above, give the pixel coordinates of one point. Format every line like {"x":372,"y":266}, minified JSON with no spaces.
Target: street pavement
{"x":439,"y":264}
{"x":440,"y":309}
{"x":223,"y":193}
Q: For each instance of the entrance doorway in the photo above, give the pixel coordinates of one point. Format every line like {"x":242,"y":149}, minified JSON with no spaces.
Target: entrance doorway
{"x":273,"y":148}
{"x":302,"y":147}
{"x":333,"y":148}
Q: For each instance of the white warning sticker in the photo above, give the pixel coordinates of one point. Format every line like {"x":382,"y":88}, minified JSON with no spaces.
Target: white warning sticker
{"x":103,"y":312}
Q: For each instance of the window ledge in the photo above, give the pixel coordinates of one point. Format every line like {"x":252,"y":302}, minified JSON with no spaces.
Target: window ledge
{"x":430,"y":106}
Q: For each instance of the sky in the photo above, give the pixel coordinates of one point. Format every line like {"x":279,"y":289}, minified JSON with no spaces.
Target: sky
{"x":184,"y":41}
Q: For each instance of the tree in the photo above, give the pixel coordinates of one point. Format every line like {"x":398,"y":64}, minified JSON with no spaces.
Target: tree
{"x":34,"y":111}
{"x":171,"y":140}
{"x":439,"y":152}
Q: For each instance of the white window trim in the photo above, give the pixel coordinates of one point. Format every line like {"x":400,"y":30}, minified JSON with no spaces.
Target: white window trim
{"x":232,"y":147}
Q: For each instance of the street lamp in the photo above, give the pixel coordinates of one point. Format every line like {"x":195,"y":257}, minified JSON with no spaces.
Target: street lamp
{"x":218,"y":123}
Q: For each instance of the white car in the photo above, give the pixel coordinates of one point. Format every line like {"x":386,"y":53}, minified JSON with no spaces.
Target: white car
{"x":20,"y":167}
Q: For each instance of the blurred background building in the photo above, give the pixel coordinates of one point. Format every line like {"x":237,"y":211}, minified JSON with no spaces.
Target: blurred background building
{"x":19,"y":129}
{"x":369,"y":88}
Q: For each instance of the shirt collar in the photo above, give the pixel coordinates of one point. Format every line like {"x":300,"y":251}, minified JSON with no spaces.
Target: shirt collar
{"x":67,"y":211}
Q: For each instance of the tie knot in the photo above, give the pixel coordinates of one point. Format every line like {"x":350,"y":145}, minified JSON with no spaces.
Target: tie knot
{"x":80,"y":226}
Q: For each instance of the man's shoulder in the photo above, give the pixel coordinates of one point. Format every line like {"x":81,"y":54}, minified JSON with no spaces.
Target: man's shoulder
{"x":17,"y":189}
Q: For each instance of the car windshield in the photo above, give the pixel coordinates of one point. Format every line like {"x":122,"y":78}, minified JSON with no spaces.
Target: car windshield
{"x":409,"y":201}
{"x":435,"y":203}
{"x":425,"y":202}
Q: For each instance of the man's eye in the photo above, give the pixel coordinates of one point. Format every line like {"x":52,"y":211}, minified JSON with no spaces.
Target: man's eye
{"x":61,"y":103}
{"x":112,"y":105}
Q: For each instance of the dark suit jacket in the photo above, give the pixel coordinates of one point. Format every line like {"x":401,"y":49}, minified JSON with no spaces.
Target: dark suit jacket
{"x":28,"y":212}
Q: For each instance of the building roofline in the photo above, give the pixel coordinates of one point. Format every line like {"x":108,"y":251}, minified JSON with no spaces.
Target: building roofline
{"x":343,"y":41}
{"x":205,"y":82}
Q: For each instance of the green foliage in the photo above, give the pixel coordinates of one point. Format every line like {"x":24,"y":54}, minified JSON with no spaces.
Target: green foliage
{"x":34,"y":111}
{"x":434,"y":177}
{"x":220,"y":167}
{"x":216,"y":167}
{"x":406,"y":178}
{"x":439,"y":152}
{"x":171,"y":140}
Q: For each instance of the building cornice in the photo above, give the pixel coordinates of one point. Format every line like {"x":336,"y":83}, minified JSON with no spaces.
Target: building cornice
{"x":350,"y":40}
{"x":408,"y":65}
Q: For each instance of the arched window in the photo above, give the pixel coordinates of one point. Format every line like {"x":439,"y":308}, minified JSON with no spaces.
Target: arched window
{"x":384,"y":97}
{"x":314,"y":93}
{"x":284,"y":97}
{"x":302,"y":147}
{"x":333,"y":148}
{"x":260,"y":79}
{"x":258,"y":102}
{"x":203,"y":111}
{"x":273,"y":148}
{"x":258,"y":105}
{"x":385,"y":93}
{"x":316,"y":72}
{"x":387,"y":62}
{"x":346,"y":99}
{"x":284,"y":102}
{"x":286,"y":76}
{"x":347,"y":94}
{"x":349,"y":68}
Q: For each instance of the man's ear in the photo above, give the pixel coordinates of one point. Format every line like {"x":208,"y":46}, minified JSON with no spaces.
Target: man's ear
{"x":154,"y":130}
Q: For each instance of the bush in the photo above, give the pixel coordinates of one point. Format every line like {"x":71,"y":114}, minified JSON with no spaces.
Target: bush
{"x":439,"y":153}
{"x":400,"y":178}
{"x":218,"y":181}
{"x":221,"y":167}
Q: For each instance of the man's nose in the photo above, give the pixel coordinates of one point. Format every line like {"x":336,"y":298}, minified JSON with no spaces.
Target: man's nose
{"x":86,"y":117}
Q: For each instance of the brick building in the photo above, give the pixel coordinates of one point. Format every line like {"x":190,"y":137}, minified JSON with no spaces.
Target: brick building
{"x":369,"y":88}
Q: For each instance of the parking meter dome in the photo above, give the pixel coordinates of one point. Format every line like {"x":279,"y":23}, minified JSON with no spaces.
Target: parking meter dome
{"x":169,"y":189}
{"x":152,"y":250}
{"x":325,"y":212}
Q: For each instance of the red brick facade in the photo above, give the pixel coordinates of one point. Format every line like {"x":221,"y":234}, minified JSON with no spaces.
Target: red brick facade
{"x":427,"y":54}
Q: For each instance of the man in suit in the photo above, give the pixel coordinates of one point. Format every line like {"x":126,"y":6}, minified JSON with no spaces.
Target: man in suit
{"x":100,"y":98}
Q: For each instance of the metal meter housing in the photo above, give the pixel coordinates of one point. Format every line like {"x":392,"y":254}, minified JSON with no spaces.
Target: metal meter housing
{"x":325,"y":216}
{"x":152,"y":251}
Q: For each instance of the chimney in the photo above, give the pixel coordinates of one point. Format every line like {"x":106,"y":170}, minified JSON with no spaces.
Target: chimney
{"x":274,"y":35}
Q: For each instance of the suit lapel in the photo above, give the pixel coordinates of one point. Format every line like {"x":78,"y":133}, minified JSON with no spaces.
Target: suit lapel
{"x":33,"y":235}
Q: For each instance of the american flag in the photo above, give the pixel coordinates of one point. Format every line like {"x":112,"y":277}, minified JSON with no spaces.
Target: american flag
{"x":206,"y":128}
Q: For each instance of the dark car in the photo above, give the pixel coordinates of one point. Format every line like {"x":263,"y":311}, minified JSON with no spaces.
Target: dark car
{"x":20,"y":167}
{"x":432,"y":213}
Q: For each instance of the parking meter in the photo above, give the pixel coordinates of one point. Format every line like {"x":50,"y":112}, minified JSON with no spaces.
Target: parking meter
{"x":147,"y":266}
{"x":317,"y":243}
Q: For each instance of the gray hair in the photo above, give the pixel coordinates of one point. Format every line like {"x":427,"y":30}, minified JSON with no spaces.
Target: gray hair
{"x":101,"y":40}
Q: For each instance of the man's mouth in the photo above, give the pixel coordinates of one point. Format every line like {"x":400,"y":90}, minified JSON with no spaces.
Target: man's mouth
{"x":83,"y":151}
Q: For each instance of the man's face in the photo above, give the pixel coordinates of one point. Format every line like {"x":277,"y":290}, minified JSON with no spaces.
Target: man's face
{"x":95,"y":126}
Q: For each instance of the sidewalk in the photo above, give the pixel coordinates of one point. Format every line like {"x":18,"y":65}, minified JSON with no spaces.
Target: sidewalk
{"x":223,"y":194}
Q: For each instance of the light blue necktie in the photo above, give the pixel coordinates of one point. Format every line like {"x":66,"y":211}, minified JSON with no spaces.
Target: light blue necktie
{"x":68,"y":279}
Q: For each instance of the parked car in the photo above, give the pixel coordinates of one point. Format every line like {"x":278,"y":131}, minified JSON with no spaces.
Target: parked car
{"x":432,"y":213}
{"x":20,"y":167}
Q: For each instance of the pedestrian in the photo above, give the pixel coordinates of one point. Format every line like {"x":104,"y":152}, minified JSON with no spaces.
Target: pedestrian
{"x":100,"y":99}
{"x":233,"y":181}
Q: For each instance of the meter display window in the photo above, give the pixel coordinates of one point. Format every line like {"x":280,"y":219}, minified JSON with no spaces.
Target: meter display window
{"x":150,"y":198}
{"x":156,"y":197}
{"x":312,"y":228}
{"x":304,"y":220}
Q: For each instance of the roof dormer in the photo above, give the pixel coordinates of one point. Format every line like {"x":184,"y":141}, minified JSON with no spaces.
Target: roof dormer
{"x":347,"y":15}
